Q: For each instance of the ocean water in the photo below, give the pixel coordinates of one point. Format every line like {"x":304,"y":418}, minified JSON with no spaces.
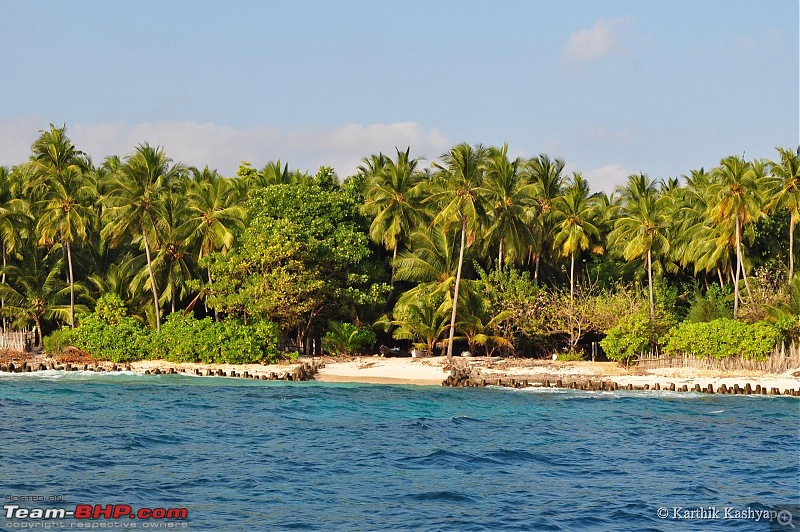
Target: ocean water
{"x":259,"y":455}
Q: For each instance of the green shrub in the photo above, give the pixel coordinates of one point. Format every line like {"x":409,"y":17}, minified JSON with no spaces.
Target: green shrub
{"x":630,"y":337}
{"x":711,"y":306}
{"x":125,"y":341}
{"x":346,"y":338}
{"x":110,"y":308}
{"x":57,"y":341}
{"x":186,"y":339}
{"x":573,"y":356}
{"x":723,"y":338}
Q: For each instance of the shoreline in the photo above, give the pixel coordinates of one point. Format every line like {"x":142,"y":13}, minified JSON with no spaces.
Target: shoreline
{"x":460,"y":372}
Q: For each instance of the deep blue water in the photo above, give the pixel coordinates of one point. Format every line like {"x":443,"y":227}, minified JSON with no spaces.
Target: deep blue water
{"x":258,"y":455}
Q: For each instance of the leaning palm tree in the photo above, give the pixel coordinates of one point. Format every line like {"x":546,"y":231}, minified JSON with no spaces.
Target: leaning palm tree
{"x":461,"y":199}
{"x":737,"y":203}
{"x":574,"y":214}
{"x":392,"y":198}
{"x":510,"y":198}
{"x":642,"y":228}
{"x":785,"y":177}
{"x":136,"y":204}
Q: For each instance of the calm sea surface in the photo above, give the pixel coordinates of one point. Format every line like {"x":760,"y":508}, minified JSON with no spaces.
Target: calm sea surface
{"x":247,"y":455}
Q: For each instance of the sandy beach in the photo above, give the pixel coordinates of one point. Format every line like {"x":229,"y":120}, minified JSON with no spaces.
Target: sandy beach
{"x":434,"y":370}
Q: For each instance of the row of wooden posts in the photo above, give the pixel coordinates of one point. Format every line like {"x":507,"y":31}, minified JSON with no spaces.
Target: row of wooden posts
{"x":458,"y":378}
{"x":463,"y":378}
{"x":303,"y":372}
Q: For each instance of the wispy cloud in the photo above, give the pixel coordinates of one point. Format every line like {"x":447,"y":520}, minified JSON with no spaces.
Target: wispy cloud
{"x":587,"y":45}
{"x":607,"y":177}
{"x":224,"y":147}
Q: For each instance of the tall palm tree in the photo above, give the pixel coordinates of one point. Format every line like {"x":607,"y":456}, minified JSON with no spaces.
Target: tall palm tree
{"x":510,"y":197}
{"x":548,"y":179}
{"x":136,"y":204}
{"x":736,"y":193}
{"x":785,"y":174}
{"x":461,"y":201}
{"x":211,"y":217}
{"x":392,"y":198}
{"x":64,"y":207}
{"x":65,"y":213}
{"x":642,"y":228}
{"x":574,"y":214}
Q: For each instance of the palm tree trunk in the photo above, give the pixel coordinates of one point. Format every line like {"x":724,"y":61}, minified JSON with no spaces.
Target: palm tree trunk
{"x":500,"y":257}
{"x":536,"y":269}
{"x":791,"y":246}
{"x":721,"y":280}
{"x":571,"y":277}
{"x":3,"y":301}
{"x":71,"y":288}
{"x":211,"y":288}
{"x":736,"y":274}
{"x":455,"y":291}
{"x":39,"y":342}
{"x":650,"y":284}
{"x":152,"y":280}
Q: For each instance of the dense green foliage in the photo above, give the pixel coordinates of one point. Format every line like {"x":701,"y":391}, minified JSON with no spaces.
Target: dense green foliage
{"x":722,"y":338}
{"x":478,"y":252}
{"x":347,"y":338}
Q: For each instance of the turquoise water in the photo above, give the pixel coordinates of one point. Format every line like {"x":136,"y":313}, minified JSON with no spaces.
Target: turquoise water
{"x":258,"y":455}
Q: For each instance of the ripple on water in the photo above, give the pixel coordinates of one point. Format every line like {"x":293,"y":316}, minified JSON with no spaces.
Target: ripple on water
{"x":255,"y":455}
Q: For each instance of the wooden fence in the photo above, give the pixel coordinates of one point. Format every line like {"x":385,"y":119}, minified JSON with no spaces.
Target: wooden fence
{"x":782,"y":359}
{"x":18,"y":340}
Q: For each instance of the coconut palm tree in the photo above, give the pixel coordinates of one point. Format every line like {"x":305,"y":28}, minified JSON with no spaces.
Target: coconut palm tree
{"x":420,"y":320}
{"x":548,"y":179}
{"x":15,"y":214}
{"x":737,"y":203}
{"x":211,"y":216}
{"x":36,"y":291}
{"x":510,"y":199}
{"x":64,"y":209}
{"x":135,"y":204}
{"x":785,"y":177}
{"x":461,"y":200}
{"x":392,"y":198}
{"x":574,"y":213}
{"x":642,"y":228}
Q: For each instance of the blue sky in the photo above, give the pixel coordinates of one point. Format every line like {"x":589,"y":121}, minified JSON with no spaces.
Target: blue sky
{"x":613,"y":87}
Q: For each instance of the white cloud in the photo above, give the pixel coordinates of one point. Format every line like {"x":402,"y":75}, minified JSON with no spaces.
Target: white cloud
{"x":224,"y":147}
{"x":601,"y":40}
{"x":607,"y":177}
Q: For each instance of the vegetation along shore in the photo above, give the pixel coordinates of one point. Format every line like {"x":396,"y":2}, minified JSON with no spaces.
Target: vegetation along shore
{"x":145,"y":262}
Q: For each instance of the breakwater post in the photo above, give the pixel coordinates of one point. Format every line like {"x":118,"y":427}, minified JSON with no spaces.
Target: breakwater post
{"x":302,"y":372}
{"x":462,"y":377}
